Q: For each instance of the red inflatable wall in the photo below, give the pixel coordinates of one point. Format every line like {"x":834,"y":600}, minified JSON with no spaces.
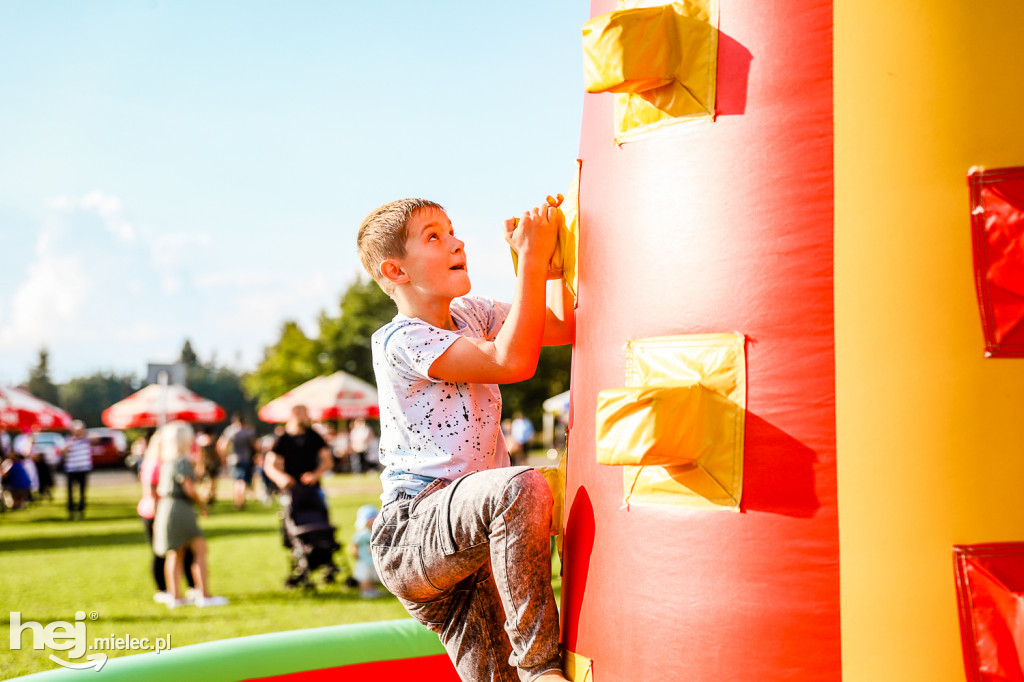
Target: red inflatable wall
{"x":715,"y":227}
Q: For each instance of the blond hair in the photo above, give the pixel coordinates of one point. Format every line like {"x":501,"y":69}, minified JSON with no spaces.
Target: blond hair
{"x":176,"y":439}
{"x":382,"y":235}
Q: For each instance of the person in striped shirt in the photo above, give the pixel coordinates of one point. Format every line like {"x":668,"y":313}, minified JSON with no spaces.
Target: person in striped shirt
{"x":77,"y":465}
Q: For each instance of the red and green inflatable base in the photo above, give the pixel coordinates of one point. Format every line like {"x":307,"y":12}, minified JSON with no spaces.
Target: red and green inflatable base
{"x":355,"y":652}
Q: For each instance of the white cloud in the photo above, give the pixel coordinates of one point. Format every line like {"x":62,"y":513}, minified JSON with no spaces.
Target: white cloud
{"x":107,"y":207}
{"x":242,"y":279}
{"x":99,"y":300}
{"x":169,"y":284}
{"x":173,"y":253}
{"x":139,"y":332}
{"x":297,"y":299}
{"x":48,"y":304}
{"x":87,"y":274}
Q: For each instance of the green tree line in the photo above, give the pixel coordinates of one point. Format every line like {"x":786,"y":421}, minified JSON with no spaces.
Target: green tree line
{"x":87,"y":396}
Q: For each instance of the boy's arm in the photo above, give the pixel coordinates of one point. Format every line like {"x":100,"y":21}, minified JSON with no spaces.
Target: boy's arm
{"x":560,"y":325}
{"x":512,"y":355}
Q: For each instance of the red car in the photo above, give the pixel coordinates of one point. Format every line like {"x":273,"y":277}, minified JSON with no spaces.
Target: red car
{"x":109,"y":447}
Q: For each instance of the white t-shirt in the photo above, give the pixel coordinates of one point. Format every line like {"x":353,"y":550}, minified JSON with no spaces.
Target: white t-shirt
{"x":435,"y":429}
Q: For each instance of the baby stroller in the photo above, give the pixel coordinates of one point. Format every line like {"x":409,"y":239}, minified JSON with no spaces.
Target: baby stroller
{"x":308,"y":534}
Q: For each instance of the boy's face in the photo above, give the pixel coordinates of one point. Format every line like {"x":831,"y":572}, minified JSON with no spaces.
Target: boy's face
{"x":435,"y":259}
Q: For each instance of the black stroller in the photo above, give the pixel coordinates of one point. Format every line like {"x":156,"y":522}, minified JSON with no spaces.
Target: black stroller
{"x":308,"y":534}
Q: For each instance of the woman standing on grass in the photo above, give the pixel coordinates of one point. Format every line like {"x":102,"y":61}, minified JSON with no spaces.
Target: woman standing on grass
{"x":175,"y":526}
{"x":149,"y":476}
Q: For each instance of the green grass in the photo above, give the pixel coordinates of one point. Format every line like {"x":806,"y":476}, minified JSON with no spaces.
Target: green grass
{"x":50,"y":568}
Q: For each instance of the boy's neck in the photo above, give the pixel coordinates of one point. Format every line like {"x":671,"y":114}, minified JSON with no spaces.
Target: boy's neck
{"x":433,"y":311}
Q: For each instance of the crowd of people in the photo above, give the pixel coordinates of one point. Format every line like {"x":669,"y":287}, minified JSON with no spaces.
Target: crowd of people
{"x":28,"y":471}
{"x":27,"y":474}
{"x":179,"y":467}
{"x":179,"y":471}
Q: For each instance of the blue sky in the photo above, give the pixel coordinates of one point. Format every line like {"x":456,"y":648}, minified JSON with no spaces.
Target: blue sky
{"x":198,"y":170}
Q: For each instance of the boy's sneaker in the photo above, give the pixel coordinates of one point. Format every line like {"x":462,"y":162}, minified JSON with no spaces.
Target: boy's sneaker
{"x":175,"y":603}
{"x":161,"y":597}
{"x":211,"y":601}
{"x":191,"y":595}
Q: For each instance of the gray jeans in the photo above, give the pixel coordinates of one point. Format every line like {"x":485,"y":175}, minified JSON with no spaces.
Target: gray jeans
{"x":468,"y":556}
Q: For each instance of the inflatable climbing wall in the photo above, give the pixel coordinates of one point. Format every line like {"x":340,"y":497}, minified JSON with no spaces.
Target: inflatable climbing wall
{"x":780,"y":214}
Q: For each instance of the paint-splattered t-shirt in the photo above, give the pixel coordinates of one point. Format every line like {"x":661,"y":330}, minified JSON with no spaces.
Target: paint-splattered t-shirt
{"x":435,"y":429}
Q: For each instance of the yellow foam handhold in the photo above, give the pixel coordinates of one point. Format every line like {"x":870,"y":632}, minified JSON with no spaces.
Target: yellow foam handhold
{"x":666,"y":424}
{"x":660,"y":59}
{"x":555,"y":477}
{"x":577,"y":668}
{"x":714,"y":479}
{"x":630,"y":50}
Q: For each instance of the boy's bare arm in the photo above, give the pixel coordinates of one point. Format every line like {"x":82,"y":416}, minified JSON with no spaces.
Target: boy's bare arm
{"x":560,"y":325}
{"x":512,"y":356}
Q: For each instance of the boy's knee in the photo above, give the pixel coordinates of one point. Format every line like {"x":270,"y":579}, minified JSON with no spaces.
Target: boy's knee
{"x":531,"y":485}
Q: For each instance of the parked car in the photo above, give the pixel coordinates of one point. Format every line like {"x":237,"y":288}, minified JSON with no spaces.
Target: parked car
{"x":109,"y":446}
{"x":49,"y":444}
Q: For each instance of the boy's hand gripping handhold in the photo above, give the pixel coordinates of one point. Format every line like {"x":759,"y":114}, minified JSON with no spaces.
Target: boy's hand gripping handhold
{"x":538,"y":231}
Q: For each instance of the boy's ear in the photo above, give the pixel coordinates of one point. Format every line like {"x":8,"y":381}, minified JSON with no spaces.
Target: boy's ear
{"x":392,"y":271}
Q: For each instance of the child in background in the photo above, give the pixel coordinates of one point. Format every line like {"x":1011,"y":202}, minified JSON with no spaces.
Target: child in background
{"x":363,"y":570}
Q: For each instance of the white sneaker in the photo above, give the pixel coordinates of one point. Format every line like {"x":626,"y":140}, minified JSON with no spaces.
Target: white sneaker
{"x":191,"y":595}
{"x":161,"y":597}
{"x":211,"y":601}
{"x":175,"y":603}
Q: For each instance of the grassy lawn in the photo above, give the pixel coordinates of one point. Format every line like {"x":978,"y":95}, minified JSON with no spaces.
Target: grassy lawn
{"x":50,"y":568}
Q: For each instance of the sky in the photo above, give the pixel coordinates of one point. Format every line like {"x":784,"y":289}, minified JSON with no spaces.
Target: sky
{"x":198,"y":169}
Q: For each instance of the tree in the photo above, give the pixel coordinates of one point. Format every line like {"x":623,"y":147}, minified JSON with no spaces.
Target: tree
{"x":39,"y":383}
{"x":551,"y":378}
{"x":220,"y":384}
{"x":291,"y":361}
{"x":342,"y":343}
{"x":224,"y":387}
{"x":86,"y":397}
{"x":345,"y":340}
{"x":188,"y":357}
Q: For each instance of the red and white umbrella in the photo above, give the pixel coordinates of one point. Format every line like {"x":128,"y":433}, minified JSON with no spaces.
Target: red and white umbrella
{"x":158,"y":404}
{"x":337,"y":396}
{"x":20,"y":410}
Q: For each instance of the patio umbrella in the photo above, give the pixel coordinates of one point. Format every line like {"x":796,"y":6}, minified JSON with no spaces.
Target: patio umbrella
{"x":20,"y":410}
{"x":556,"y":406}
{"x":337,"y":396}
{"x":157,"y":404}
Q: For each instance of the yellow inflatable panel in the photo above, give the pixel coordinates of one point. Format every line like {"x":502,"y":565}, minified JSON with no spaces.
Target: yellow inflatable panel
{"x":664,"y":424}
{"x":716,"y":361}
{"x":555,"y":477}
{"x":660,"y":58}
{"x":630,"y":50}
{"x":577,"y":668}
